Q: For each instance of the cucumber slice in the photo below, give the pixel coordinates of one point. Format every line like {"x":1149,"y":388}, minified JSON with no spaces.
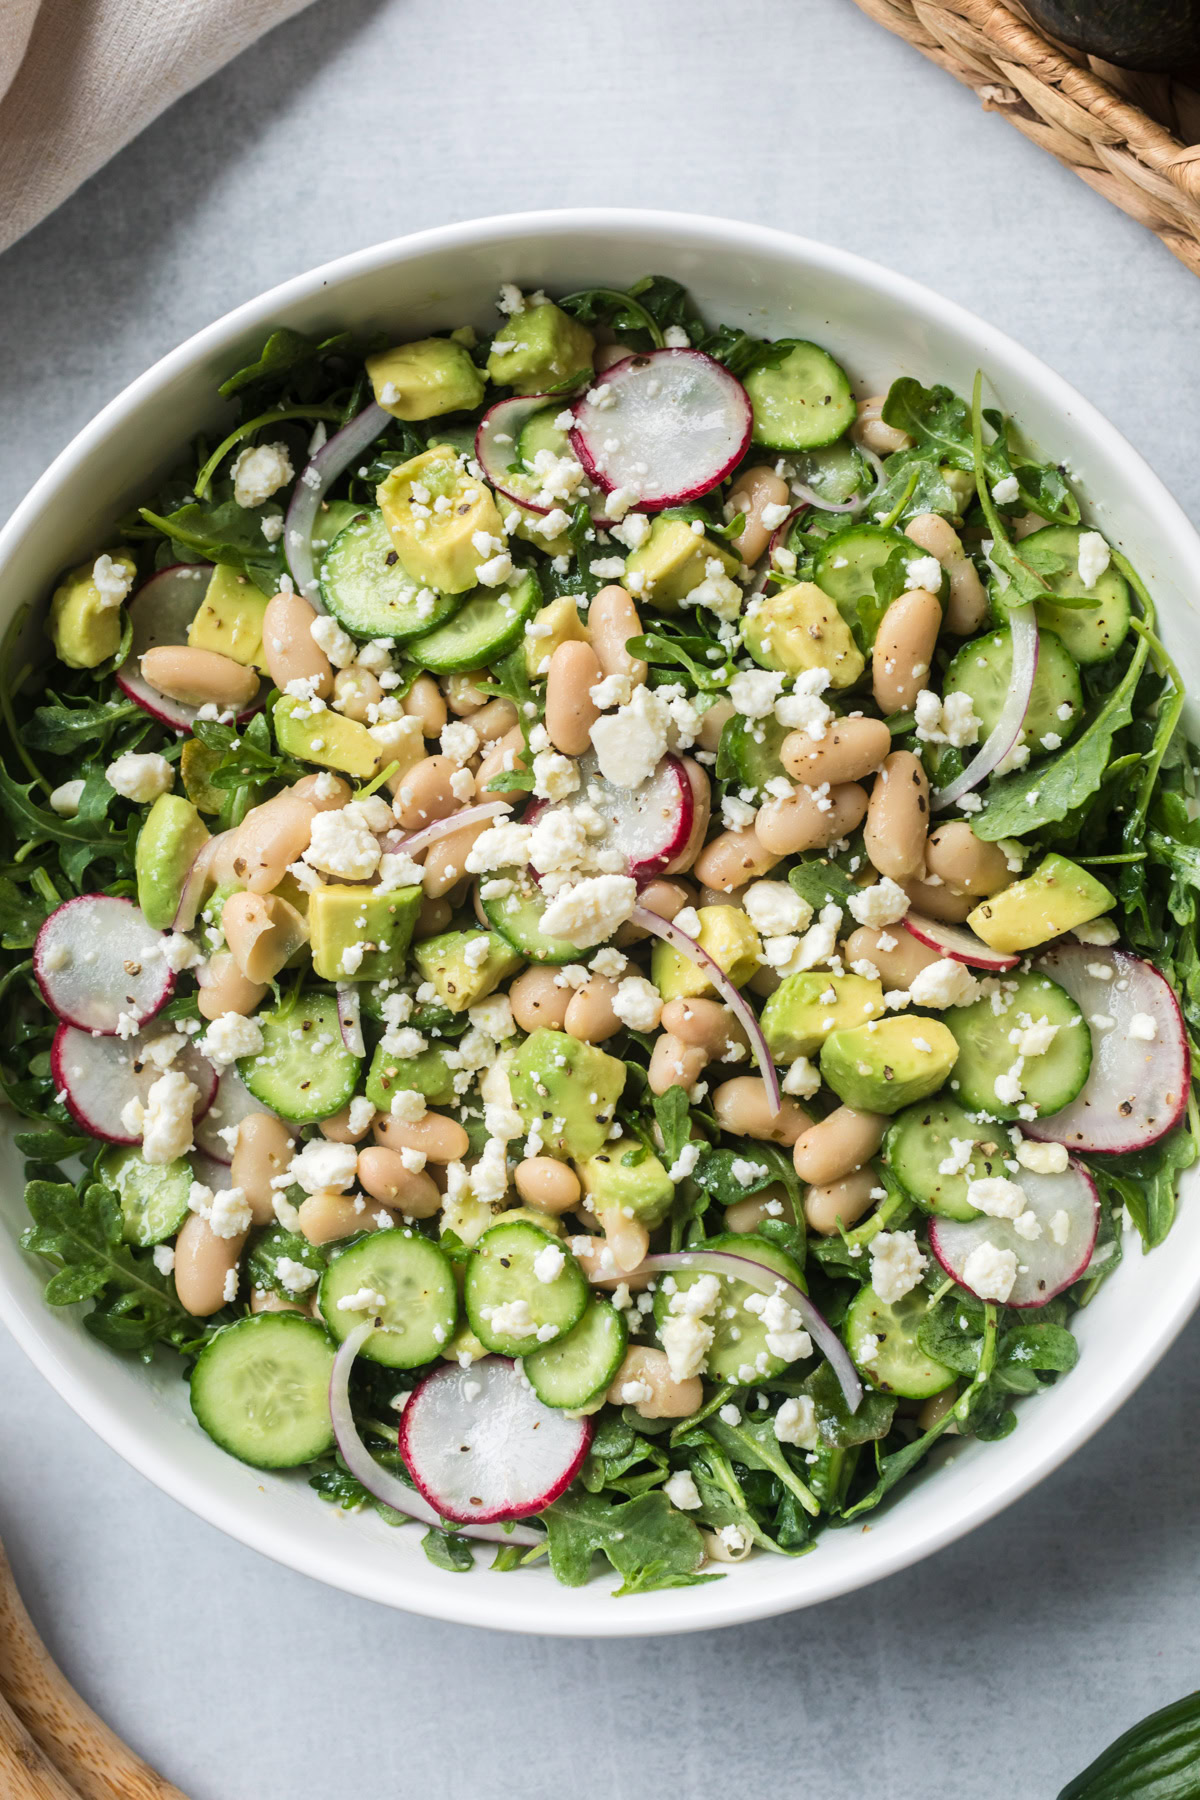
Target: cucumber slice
{"x":1050,"y":1081}
{"x":983,"y":669}
{"x":370,"y":592}
{"x":919,"y":1140}
{"x":836,"y":472}
{"x":540,"y":432}
{"x":427,"y":1073}
{"x":332,"y":517}
{"x":492,"y":622}
{"x":845,"y":570}
{"x":882,"y":1339}
{"x":260,"y":1389}
{"x":304,"y":1071}
{"x":749,"y":752}
{"x":582,"y":1364}
{"x":502,"y":1272}
{"x":1094,"y":632}
{"x":803,"y":402}
{"x":517,"y":917}
{"x":739,"y":1348}
{"x":153,"y":1196}
{"x":415,"y":1280}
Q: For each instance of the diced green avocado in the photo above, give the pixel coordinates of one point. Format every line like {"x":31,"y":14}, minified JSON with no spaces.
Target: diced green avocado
{"x":625,"y":1175}
{"x":730,"y":939}
{"x":801,"y":628}
{"x":800,"y":1014}
{"x":425,"y":379}
{"x":360,"y":934}
{"x":889,"y":1064}
{"x":326,"y":738}
{"x":427,"y":1073}
{"x":674,"y":559}
{"x":84,"y":624}
{"x":167,"y":846}
{"x":567,"y":1090}
{"x":461,"y":973}
{"x":539,"y":348}
{"x":558,"y":623}
{"x":529,"y":526}
{"x":1058,"y":896}
{"x":230,"y":618}
{"x":196,"y":765}
{"x":438,"y":546}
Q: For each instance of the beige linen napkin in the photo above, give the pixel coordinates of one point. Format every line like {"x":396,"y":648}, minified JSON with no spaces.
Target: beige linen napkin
{"x":80,"y":78}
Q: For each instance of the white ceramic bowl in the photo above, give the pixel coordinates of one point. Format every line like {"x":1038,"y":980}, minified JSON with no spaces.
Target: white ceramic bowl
{"x":880,"y":326}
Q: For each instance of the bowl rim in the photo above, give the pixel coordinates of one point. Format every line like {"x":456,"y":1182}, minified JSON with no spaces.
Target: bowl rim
{"x":722,"y":1603}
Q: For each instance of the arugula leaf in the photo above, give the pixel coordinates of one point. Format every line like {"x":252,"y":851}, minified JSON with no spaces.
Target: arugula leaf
{"x":247,"y":756}
{"x":221,"y":532}
{"x":63,"y":729}
{"x":754,"y":1444}
{"x":647,"y":1543}
{"x":618,"y":308}
{"x":334,"y":1482}
{"x":448,"y":1550}
{"x":276,"y":1242}
{"x":284,"y":352}
{"x":673,"y":1115}
{"x":21,"y":915}
{"x":934,"y":417}
{"x":837,"y":1427}
{"x":821,"y":883}
{"x":1145,"y":1182}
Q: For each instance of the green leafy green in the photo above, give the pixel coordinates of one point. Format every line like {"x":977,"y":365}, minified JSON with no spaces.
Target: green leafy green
{"x":447,"y":1550}
{"x":649,"y":1545}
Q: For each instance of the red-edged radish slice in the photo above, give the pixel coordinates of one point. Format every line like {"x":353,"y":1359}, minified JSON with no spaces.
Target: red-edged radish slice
{"x":331,"y":460}
{"x":349,"y":1011}
{"x":956,"y":942}
{"x":1066,"y":1214}
{"x":96,"y":958}
{"x":496,"y":440}
{"x":1138,"y":1086}
{"x":481,"y":1446}
{"x":233,"y":1103}
{"x":649,"y":825}
{"x":1007,"y":729}
{"x":672,"y":426}
{"x":381,"y":1482}
{"x":160,"y":613}
{"x":99,"y":1076}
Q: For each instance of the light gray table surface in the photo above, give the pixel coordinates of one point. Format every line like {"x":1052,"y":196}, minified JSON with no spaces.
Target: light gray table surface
{"x":997,"y":1668}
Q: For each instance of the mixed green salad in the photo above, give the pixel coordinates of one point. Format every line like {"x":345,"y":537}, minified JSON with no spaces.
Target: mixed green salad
{"x":599,"y":935}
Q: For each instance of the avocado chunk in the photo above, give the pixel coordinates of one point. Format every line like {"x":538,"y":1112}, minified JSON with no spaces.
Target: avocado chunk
{"x":460,"y":971}
{"x":84,"y":624}
{"x":327,"y":738}
{"x":881,"y":1067}
{"x":674,"y":560}
{"x":1058,"y":896}
{"x":540,"y":347}
{"x":196,"y":765}
{"x":424,"y":379}
{"x":558,"y":623}
{"x":230,"y":618}
{"x":167,"y":845}
{"x":436,"y":545}
{"x":530,"y":525}
{"x":427,"y":1073}
{"x":625,"y":1175}
{"x":567,"y":1090}
{"x":801,"y":628}
{"x":730,"y":939}
{"x":361,"y":934}
{"x":800,"y":1014}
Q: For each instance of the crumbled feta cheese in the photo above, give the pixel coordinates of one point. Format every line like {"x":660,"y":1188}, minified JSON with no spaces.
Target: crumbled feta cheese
{"x":229,"y":1037}
{"x":459,"y":741}
{"x":549,"y":1263}
{"x":591,"y":910}
{"x":685,"y":1162}
{"x":1042,"y":1159}
{"x":630,"y":743}
{"x":1094,"y":557}
{"x":140,"y":777}
{"x":896,"y":1265}
{"x":296,"y":1277}
{"x":363,"y":1299}
{"x":925,"y":572}
{"x":999,"y":1198}
{"x":65,"y":799}
{"x":944,"y":983}
{"x":796,"y":1423}
{"x":802,"y":1079}
{"x":754,"y":692}
{"x":990,"y":1272}
{"x":1143,"y":1027}
{"x":164,"y":1258}
{"x":112,"y":581}
{"x":785,"y":1335}
{"x":337,"y":644}
{"x":1006,"y":490}
{"x":1060,"y":1227}
{"x":321,"y":1164}
{"x":260,"y":471}
{"x":774,"y":908}
{"x":227,"y":1212}
{"x":342,"y":843}
{"x":681,"y":1491}
{"x":499,"y":847}
{"x":1096,"y":931}
{"x":884,"y":903}
{"x":408,"y":1106}
{"x":948,"y":721}
{"x":555,"y":777}
{"x":166,"y":1122}
{"x":638,"y":1003}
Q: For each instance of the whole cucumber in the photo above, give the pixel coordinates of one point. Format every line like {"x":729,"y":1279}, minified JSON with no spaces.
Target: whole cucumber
{"x":1158,"y":1759}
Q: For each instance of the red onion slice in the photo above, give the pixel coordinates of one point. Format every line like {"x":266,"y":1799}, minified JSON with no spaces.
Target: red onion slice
{"x":1007,"y":728}
{"x":739,"y":1007}
{"x":331,"y":460}
{"x":380,"y":1482}
{"x":767,"y":1281}
{"x":349,"y":1013}
{"x":429,"y":834}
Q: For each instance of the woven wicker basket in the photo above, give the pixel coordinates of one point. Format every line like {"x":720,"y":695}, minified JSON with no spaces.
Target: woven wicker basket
{"x":1135,"y":138}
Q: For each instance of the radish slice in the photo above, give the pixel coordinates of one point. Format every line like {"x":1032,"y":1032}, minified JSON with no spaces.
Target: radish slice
{"x":1007,"y":728}
{"x":99,"y":1076}
{"x":213,"y":1174}
{"x":349,"y":1012}
{"x":429,"y":834}
{"x":381,"y":1482}
{"x":767,"y":1281}
{"x":331,"y":460}
{"x":96,"y":959}
{"x":496,"y":441}
{"x":160,"y":613}
{"x":481,"y":1446}
{"x":741,"y":1009}
{"x":1137,"y":1088}
{"x":650,"y":824}
{"x":233,"y":1103}
{"x":673,"y":425}
{"x":956,"y":942}
{"x":1065,"y":1207}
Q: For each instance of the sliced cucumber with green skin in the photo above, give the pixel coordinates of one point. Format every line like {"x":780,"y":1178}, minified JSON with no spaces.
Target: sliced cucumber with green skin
{"x":983,"y":669}
{"x":835,"y":473}
{"x":333,"y":516}
{"x":502,"y":1274}
{"x":1050,"y":1081}
{"x":919,"y":1140}
{"x":303,"y":1071}
{"x":153,"y":1196}
{"x":738,"y":1352}
{"x":1095,"y":631}
{"x":492,"y":622}
{"x":582,"y":1364}
{"x":750,"y":751}
{"x":369,"y":591}
{"x":845,"y":570}
{"x":882,"y":1340}
{"x":803,"y":402}
{"x":260,"y":1389}
{"x":404,"y":1281}
{"x":540,"y":432}
{"x":517,"y":917}
{"x":426,"y":1072}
